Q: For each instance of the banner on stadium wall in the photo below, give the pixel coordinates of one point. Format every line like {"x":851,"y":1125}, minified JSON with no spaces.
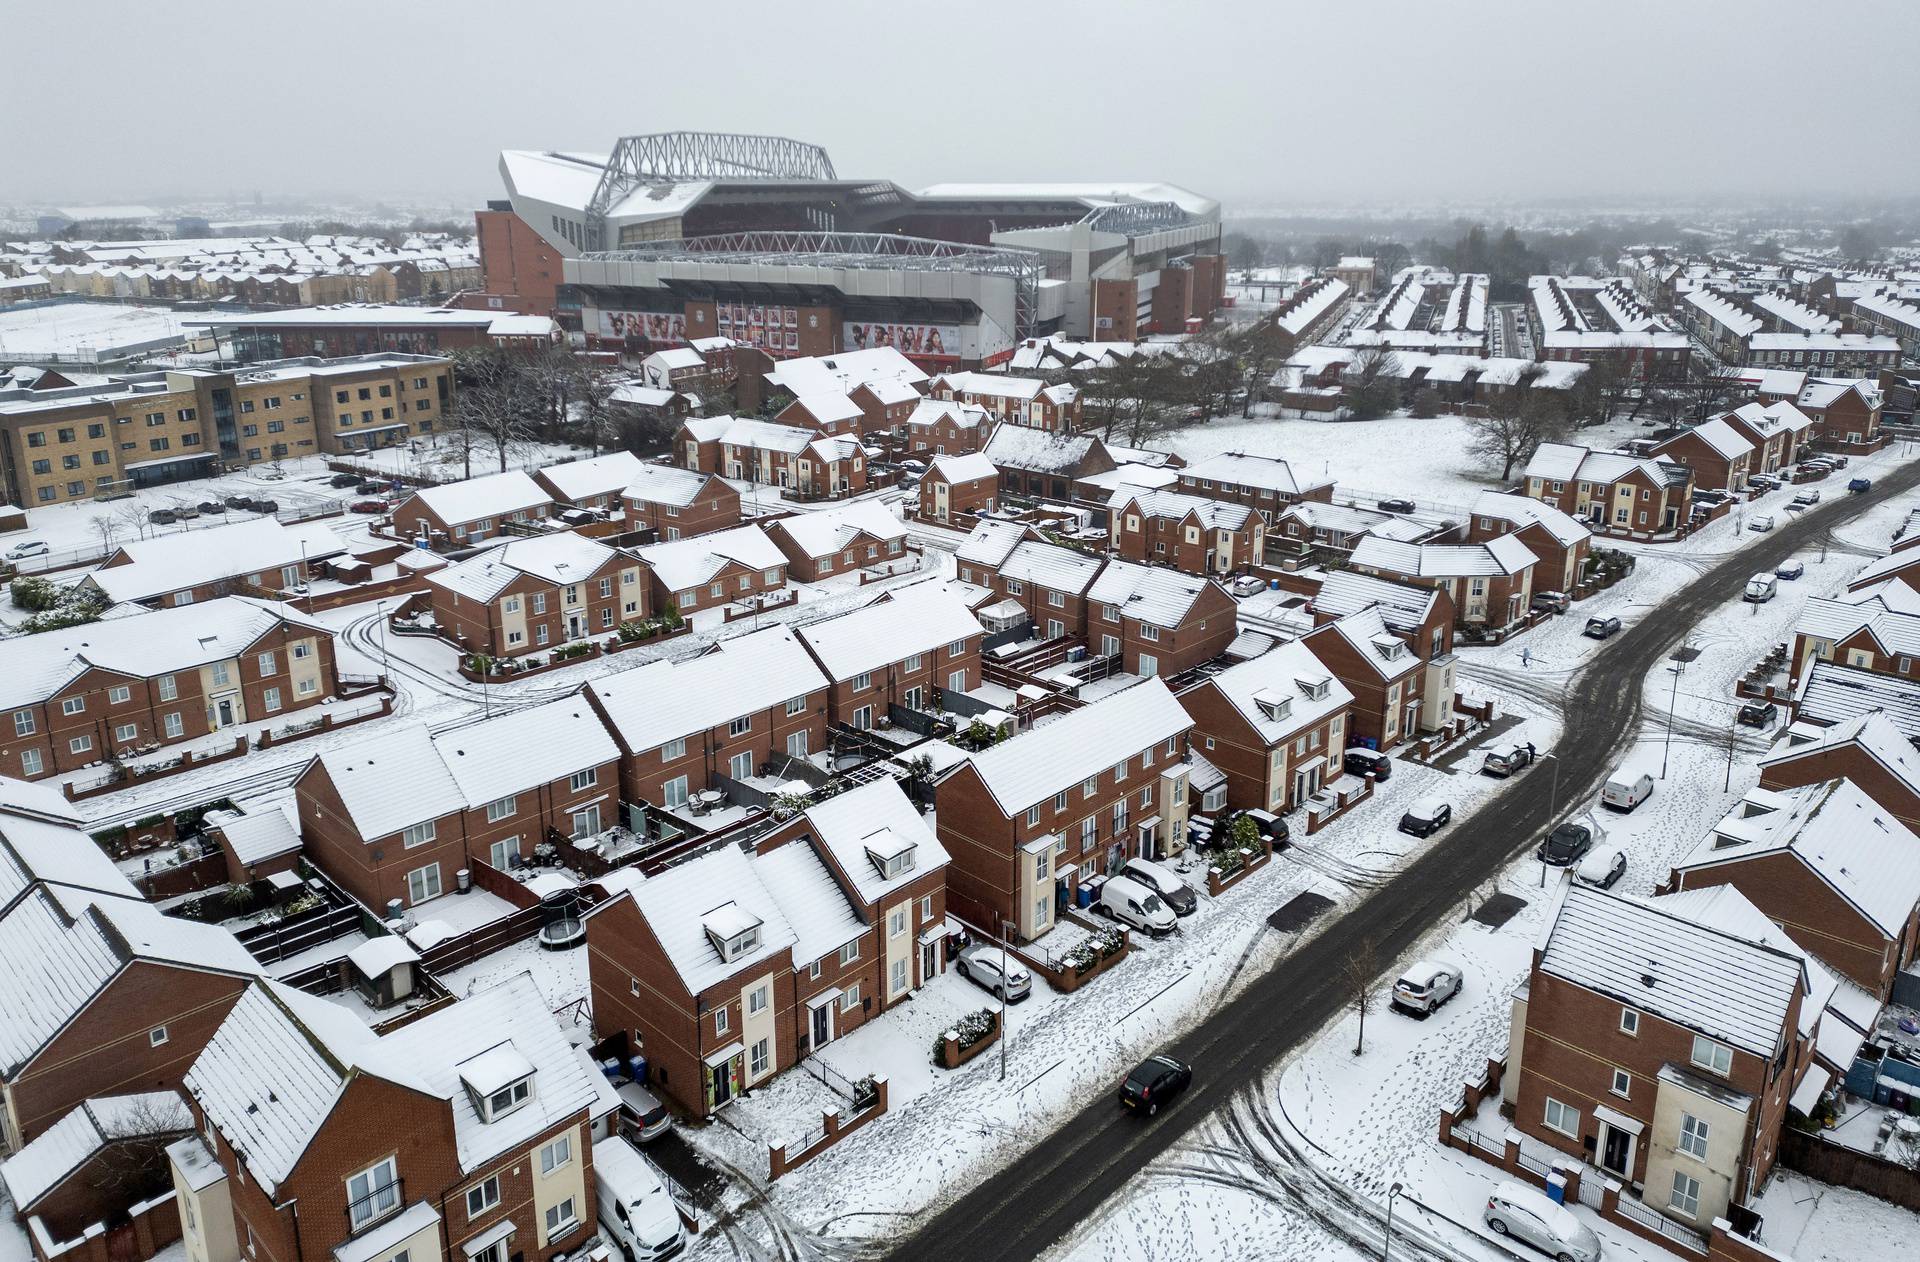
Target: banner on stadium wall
{"x":655,"y":326}
{"x":771,"y":328}
{"x":936,"y":341}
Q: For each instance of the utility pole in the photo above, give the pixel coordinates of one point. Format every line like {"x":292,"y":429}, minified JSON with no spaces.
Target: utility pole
{"x":1674,"y":700}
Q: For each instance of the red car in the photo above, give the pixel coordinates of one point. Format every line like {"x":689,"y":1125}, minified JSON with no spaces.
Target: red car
{"x":367,"y":506}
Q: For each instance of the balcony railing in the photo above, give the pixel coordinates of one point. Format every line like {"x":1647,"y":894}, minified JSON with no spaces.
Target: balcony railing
{"x":381,"y":1203}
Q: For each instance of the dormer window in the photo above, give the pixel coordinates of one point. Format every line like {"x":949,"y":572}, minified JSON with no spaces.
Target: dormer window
{"x":1274,"y":705}
{"x":1316,"y":689}
{"x":498,"y":1081}
{"x":733,"y":930}
{"x":891,"y":854}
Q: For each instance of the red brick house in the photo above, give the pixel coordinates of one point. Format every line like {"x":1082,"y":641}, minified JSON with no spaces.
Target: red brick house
{"x":1866,"y":750}
{"x":461,"y":514}
{"x":1276,"y":726}
{"x":1901,"y":565}
{"x":904,"y":650}
{"x":1191,"y":534}
{"x":1489,"y":583}
{"x":1827,"y":864}
{"x":1382,"y":672}
{"x":1679,"y":1086}
{"x":1778,"y":430}
{"x":535,"y":594}
{"x":195,"y":566}
{"x":1559,"y":541}
{"x":75,"y":697}
{"x":1047,"y":580}
{"x":398,"y":816}
{"x":790,"y":457}
{"x":1422,"y":615}
{"x":707,"y":571}
{"x":830,"y":412}
{"x":103,"y":994}
{"x":1613,"y":493}
{"x":1721,"y":457}
{"x":1157,"y":621}
{"x":468,"y":1132}
{"x":940,"y":427}
{"x":1027,"y":820}
{"x":677,"y":503}
{"x":746,"y":704}
{"x":1846,"y":414}
{"x":1043,"y":465}
{"x":1877,"y":630}
{"x":594,"y":483}
{"x":958,"y":487}
{"x":860,"y":535}
{"x":885,"y":403}
{"x":1262,"y":483}
{"x":1025,"y":401}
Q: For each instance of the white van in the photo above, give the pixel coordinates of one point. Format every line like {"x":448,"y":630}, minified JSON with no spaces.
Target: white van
{"x":635,"y":1209}
{"x":1761,"y":588}
{"x":1626,"y":788}
{"x":1131,"y":902}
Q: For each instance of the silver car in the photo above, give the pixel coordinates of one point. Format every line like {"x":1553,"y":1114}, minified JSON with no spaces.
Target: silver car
{"x":995,"y":969}
{"x":1532,"y":1216}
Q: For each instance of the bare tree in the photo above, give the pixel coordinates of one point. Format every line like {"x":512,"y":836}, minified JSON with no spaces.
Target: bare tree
{"x":593,"y":390}
{"x":498,"y":397}
{"x":1372,"y":384}
{"x":1359,"y":972}
{"x":107,"y":526}
{"x":132,"y":515}
{"x":1137,"y":399}
{"x":1515,"y":425}
{"x":134,"y":1165}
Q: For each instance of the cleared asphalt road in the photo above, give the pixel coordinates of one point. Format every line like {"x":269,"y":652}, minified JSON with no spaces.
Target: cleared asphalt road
{"x":1043,"y":1198}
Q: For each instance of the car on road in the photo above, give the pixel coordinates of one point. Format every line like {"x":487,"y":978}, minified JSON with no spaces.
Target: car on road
{"x":1504,"y":760}
{"x":1565,"y":845}
{"x":1425,"y":986}
{"x":1807,"y":498}
{"x":1790,"y":569}
{"x":1797,"y":508}
{"x":1602,"y":867}
{"x":1762,"y":523}
{"x":1600,"y":628}
{"x":1173,"y":891}
{"x":1248,"y":585}
{"x":27,"y":548}
{"x":1758,"y":714}
{"x":1395,"y":506}
{"x":1133,"y":903}
{"x":994,"y":968}
{"x":1155,"y":1081}
{"x":344,"y":480}
{"x":1860,"y":486}
{"x":1426,"y":817}
{"x":1556,"y":602}
{"x":1534,"y":1217}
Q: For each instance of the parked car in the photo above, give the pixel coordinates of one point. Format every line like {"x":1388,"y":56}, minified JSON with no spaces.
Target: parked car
{"x":344,"y":480}
{"x":265,"y":506}
{"x":27,"y":548}
{"x":1532,"y":1216}
{"x":1565,"y":845}
{"x":212,"y":506}
{"x":1807,"y":498}
{"x":1796,"y":508}
{"x":635,"y":1208}
{"x":1426,"y":985}
{"x":1626,"y":788}
{"x":238,"y":501}
{"x":186,"y":512}
{"x":1765,"y":481}
{"x":1248,"y":585}
{"x":370,"y":487}
{"x":1133,"y":903}
{"x":1504,"y":760}
{"x":1761,"y":588}
{"x":1601,"y":628}
{"x":1358,"y":761}
{"x":1790,"y":569}
{"x":993,"y":968}
{"x":1758,"y":714}
{"x":1558,"y":602}
{"x":1155,"y":1081}
{"x":1602,"y":867}
{"x":1173,"y":891}
{"x":162,"y":517}
{"x":1860,"y":486}
{"x":1762,"y":523}
{"x":644,"y":1116}
{"x":1426,"y":817}
{"x":367,"y":506}
{"x":1396,"y":506}
{"x":1272,"y":829}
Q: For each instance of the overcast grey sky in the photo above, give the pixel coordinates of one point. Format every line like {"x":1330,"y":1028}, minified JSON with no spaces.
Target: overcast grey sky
{"x":1343,"y":101}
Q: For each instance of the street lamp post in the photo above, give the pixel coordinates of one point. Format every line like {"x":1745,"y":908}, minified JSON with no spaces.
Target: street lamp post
{"x":1553,"y":807}
{"x":1673,"y":703}
{"x":1386,"y":1246}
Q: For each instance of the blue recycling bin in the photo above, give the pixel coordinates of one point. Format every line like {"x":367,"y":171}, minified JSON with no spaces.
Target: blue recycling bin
{"x":1557,"y":1187}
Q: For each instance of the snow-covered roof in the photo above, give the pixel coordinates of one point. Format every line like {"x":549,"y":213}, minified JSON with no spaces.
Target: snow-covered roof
{"x":681,"y":564}
{"x":1647,"y":955}
{"x":921,"y":619}
{"x":1778,"y":416}
{"x":523,"y":750}
{"x":562,"y":558}
{"x":495,"y":495}
{"x":609,"y":474}
{"x":1873,"y":733}
{"x":1284,"y":690}
{"x":1404,"y":606}
{"x":1724,"y":439}
{"x":829,"y":407}
{"x":971,"y":467}
{"x":1021,"y":447}
{"x":1520,"y":510}
{"x":1505,"y":555}
{"x":258,"y":835}
{"x":815,"y":906}
{"x":828,"y":531}
{"x":663,"y":700}
{"x":38,"y":850}
{"x":1309,"y":303}
{"x":142,"y":645}
{"x":929,"y":412}
{"x":1051,"y":566}
{"x":758,"y":435}
{"x":71,"y":1142}
{"x":991,"y":385}
{"x":1895,"y":632}
{"x":719,"y":891}
{"x":864,"y":821}
{"x":1212,"y":514}
{"x":842,"y":372}
{"x":1566,"y":462}
{"x":391,"y":780}
{"x":1260,"y":473}
{"x":1079,"y":745}
{"x":1867,"y":857}
{"x":1831,"y":693}
{"x":1723,"y":311}
{"x":192,"y":558}
{"x":991,"y":541}
{"x":1885,"y":568}
{"x":665,"y":484}
{"x":1381,"y":649}
{"x":1154,"y":594}
{"x":1822,"y":392}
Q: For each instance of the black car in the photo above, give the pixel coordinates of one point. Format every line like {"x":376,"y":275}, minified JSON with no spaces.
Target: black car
{"x":344,"y":479}
{"x":162,"y":517}
{"x":1154,"y":1082}
{"x":212,"y":506}
{"x":1426,"y":817}
{"x":1758,"y":714}
{"x":1396,"y":506}
{"x":265,"y":506}
{"x":238,"y":501}
{"x":371,"y":487}
{"x":1271,"y":828}
{"x":1565,"y":845}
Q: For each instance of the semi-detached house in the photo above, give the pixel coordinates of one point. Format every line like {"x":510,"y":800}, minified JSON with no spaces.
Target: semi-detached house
{"x":1868,"y":750}
{"x":1028,"y":820}
{"x":461,"y":514}
{"x":677,"y":503}
{"x":707,"y":571}
{"x":195,"y":566}
{"x":903,"y":651}
{"x":1276,"y":726}
{"x":397,"y":817}
{"x":735,"y":709}
{"x":1192,"y":534}
{"x":1027,"y":401}
{"x":957,"y":486}
{"x":1557,"y":539}
{"x":465,"y":1134}
{"x":1876,"y":630}
{"x":1721,"y":457}
{"x":1265,"y":484}
{"x":1380,"y":669}
{"x":943,"y":427}
{"x":1423,"y":615}
{"x":859,"y":535}
{"x":1157,"y":621}
{"x":1612,"y":493}
{"x":534,"y":594}
{"x":592,"y":483}
{"x":1490,"y":584}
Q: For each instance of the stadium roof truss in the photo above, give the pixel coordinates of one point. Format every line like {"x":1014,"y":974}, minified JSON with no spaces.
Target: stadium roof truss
{"x":675,"y":157}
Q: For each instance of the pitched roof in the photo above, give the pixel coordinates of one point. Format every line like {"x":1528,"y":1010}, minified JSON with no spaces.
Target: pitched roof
{"x":523,"y":750}
{"x":1701,"y":977}
{"x":874,"y":818}
{"x":194,"y":558}
{"x":1275,"y":692}
{"x":607,"y":474}
{"x":825,"y":532}
{"x":495,"y":495}
{"x":922,"y":618}
{"x":1522,"y":510}
{"x":666,"y":484}
{"x":1262,"y":473}
{"x":1505,"y":555}
{"x":845,"y":370}
{"x":391,"y":780}
{"x":1725,"y":440}
{"x":992,"y":541}
{"x":1051,"y":566}
{"x":720,"y":889}
{"x":815,"y":906}
{"x":1154,"y":594}
{"x":664,"y":700}
{"x":971,"y":467}
{"x":1828,"y":619}
{"x":78,"y":1136}
{"x":1038,"y":450}
{"x":1078,"y":745}
{"x":685,"y":563}
{"x":1832,"y":693}
{"x":1378,"y":647}
{"x":1213,"y":514}
{"x":1403,"y":606}
{"x":1871,"y":732}
{"x":933,"y":411}
{"x":561,"y":558}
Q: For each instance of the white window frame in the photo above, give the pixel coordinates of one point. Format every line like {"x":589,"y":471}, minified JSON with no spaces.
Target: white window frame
{"x":556,"y":1153}
{"x":1562,"y":1110}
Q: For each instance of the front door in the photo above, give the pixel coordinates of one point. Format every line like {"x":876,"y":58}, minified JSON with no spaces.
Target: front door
{"x":223,"y":713}
{"x":821,"y":1032}
{"x":573,"y":626}
{"x":721,"y":1076}
{"x":1616,"y":1152}
{"x":1306,"y":783}
{"x":929,"y":961}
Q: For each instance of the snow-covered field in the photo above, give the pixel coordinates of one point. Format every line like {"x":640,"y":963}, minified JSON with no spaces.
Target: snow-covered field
{"x":83,"y":331}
